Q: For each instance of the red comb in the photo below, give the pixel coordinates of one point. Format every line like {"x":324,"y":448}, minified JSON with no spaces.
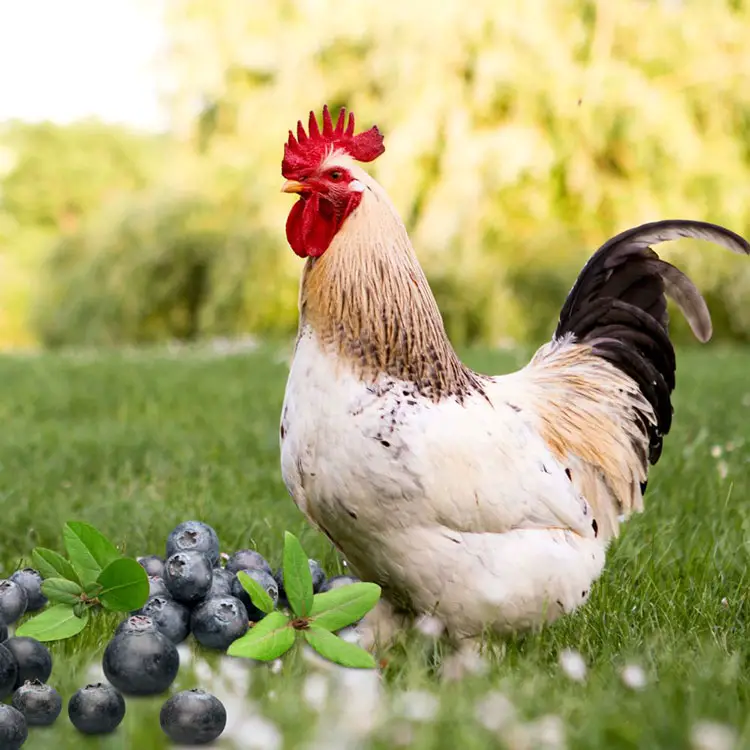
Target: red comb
{"x":306,"y":151}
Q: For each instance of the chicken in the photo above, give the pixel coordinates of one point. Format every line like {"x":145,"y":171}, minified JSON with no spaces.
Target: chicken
{"x":487,"y":502}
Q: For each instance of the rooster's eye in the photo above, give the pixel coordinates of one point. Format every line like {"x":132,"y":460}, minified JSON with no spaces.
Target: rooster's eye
{"x":335,"y":174}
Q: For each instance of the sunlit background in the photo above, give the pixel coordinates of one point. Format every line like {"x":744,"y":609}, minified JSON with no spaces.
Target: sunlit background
{"x":140,"y":147}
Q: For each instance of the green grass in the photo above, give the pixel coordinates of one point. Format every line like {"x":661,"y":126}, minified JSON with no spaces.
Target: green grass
{"x":135,"y":443}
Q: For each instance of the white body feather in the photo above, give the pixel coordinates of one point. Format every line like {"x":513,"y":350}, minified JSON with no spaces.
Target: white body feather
{"x":457,"y":510}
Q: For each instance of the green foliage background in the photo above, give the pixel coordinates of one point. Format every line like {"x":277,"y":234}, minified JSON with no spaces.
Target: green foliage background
{"x":519,"y":136}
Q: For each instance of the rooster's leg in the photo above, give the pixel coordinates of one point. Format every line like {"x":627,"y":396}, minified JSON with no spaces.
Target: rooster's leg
{"x":380,"y":626}
{"x":465,"y":660}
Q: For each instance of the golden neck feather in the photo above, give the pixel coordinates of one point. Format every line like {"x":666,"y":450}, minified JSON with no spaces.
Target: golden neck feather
{"x":367,"y":299}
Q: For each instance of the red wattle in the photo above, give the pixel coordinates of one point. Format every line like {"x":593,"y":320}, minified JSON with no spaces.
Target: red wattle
{"x":294,"y":233}
{"x":313,"y":222}
{"x":311,"y":226}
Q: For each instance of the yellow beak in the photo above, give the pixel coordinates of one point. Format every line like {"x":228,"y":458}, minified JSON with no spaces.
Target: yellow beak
{"x":293,"y":186}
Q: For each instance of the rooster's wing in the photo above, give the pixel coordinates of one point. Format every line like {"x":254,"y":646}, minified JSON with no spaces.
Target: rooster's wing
{"x":599,"y":392}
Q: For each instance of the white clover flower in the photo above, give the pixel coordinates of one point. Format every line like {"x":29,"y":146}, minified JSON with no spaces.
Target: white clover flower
{"x":573,"y":665}
{"x":416,"y":705}
{"x":495,"y":711}
{"x":711,"y":735}
{"x":633,"y":676}
{"x":315,"y":691}
{"x":430,"y":626}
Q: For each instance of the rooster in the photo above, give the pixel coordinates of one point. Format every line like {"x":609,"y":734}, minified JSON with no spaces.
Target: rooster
{"x":487,"y":502}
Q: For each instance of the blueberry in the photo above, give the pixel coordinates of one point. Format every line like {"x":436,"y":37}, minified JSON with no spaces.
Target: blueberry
{"x":156,"y":587}
{"x":96,"y":709}
{"x":31,"y":581}
{"x":136,"y":624}
{"x":317,"y":573}
{"x":39,"y":703}
{"x":13,"y":601}
{"x":3,"y":631}
{"x":194,"y":536}
{"x":153,"y":565}
{"x":33,"y":658}
{"x":337,"y":582}
{"x":187,"y":576}
{"x":8,"y":672}
{"x":193,"y":717}
{"x":221,"y":583}
{"x":144,"y":663}
{"x":170,"y":617}
{"x":266,"y":580}
{"x":247,"y":559}
{"x":278,"y":576}
{"x":217,"y":623}
{"x":13,"y":729}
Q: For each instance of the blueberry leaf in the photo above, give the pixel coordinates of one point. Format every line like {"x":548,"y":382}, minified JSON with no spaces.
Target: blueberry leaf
{"x":337,"y":650}
{"x":258,"y":595}
{"x":54,"y":624}
{"x":51,"y":564}
{"x":268,"y":640}
{"x":80,"y":555}
{"x":93,"y":589}
{"x":100,"y":548}
{"x":62,"y":591}
{"x":297,"y":577}
{"x":124,"y":585}
{"x":340,"y":607}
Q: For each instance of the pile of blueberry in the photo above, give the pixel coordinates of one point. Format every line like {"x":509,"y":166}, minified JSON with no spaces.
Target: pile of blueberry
{"x":189,"y":592}
{"x":192,"y":592}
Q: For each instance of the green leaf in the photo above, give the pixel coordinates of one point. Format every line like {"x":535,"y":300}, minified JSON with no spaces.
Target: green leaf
{"x":340,"y":607}
{"x":337,"y":650}
{"x":89,"y":550}
{"x":54,"y":624}
{"x":124,"y":585}
{"x":268,"y":640}
{"x":93,"y":589}
{"x":53,"y":565}
{"x":101,"y":548}
{"x":61,"y":590}
{"x":80,"y":555}
{"x":258,"y":595}
{"x":297,"y":577}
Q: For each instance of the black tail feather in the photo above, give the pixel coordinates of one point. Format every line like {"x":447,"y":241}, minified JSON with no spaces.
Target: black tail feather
{"x":619,"y":306}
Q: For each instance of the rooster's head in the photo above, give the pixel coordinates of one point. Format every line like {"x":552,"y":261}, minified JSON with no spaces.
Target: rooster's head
{"x":318,"y":166}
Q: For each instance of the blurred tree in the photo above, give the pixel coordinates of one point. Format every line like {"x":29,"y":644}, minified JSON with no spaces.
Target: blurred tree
{"x":161,"y":266}
{"x":519,"y":135}
{"x":52,"y":177}
{"x":62,"y":173}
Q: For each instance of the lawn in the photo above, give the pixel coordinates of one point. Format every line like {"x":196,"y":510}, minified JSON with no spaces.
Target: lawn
{"x":136,"y":442}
